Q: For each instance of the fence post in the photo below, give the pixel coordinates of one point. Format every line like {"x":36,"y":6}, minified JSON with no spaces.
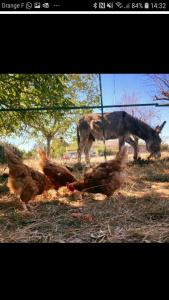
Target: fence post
{"x":102,"y":113}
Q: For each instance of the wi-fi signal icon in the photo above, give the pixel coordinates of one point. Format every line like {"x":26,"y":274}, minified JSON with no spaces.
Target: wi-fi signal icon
{"x":119,"y":4}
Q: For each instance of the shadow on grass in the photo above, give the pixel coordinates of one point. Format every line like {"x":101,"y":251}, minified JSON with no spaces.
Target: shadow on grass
{"x":141,"y":162}
{"x":156,"y":177}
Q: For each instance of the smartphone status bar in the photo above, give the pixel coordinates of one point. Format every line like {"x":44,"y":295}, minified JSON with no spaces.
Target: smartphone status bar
{"x":80,"y":6}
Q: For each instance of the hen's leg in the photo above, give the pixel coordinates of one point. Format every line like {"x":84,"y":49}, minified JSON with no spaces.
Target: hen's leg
{"x":46,"y":194}
{"x":27,"y":194}
{"x":24,"y":206}
{"x":21,"y":204}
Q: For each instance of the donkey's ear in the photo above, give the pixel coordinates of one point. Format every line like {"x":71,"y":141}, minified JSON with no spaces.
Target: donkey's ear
{"x":158,"y":128}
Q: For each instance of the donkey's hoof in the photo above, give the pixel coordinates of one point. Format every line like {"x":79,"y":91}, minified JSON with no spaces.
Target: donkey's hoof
{"x":137,"y":158}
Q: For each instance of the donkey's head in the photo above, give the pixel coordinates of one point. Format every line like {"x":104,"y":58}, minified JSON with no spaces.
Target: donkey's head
{"x":154,"y":142}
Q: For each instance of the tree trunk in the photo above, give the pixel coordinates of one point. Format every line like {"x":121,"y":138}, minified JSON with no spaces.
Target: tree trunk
{"x":49,"y":139}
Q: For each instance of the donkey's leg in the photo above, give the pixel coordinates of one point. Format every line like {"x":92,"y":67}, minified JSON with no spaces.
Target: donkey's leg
{"x":81,"y":146}
{"x":86,"y":151}
{"x":121,"y":142}
{"x":136,"y":147}
{"x":134,"y":144}
{"x":79,"y":153}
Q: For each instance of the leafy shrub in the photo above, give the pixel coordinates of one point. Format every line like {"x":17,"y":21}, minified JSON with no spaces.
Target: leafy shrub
{"x":30,"y":154}
{"x":164,"y":147}
{"x":100,"y":152}
{"x":58,"y":148}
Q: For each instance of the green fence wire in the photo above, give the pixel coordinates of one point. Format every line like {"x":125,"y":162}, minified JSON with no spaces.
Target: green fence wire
{"x":80,"y":107}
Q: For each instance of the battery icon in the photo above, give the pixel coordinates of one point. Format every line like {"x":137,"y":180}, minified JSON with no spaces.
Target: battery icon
{"x":146,"y":5}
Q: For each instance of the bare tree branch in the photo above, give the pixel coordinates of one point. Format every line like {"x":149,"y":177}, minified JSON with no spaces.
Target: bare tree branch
{"x":161,"y":82}
{"x":161,"y":98}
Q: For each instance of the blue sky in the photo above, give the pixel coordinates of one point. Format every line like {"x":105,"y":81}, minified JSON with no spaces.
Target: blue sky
{"x":114,"y":86}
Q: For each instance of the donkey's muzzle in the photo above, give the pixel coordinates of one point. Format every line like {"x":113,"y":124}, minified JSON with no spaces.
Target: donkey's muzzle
{"x":157,"y":155}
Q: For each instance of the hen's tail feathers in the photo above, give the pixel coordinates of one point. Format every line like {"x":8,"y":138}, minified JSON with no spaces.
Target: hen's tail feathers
{"x":123,"y":156}
{"x":42,"y":154}
{"x":11,"y":155}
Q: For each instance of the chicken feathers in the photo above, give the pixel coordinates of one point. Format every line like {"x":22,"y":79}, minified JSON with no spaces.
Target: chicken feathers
{"x":23,"y":180}
{"x":106,"y":177}
{"x":57,"y":174}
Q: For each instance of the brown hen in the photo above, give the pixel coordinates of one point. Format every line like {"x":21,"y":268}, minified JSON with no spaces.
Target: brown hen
{"x":105,"y":178}
{"x":57,"y":174}
{"x":24,"y":181}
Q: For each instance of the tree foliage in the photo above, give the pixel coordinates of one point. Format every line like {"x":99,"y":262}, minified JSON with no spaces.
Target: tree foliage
{"x":24,"y":91}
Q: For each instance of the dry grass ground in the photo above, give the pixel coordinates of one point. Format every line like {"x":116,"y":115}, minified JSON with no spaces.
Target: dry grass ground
{"x":138,"y":212}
